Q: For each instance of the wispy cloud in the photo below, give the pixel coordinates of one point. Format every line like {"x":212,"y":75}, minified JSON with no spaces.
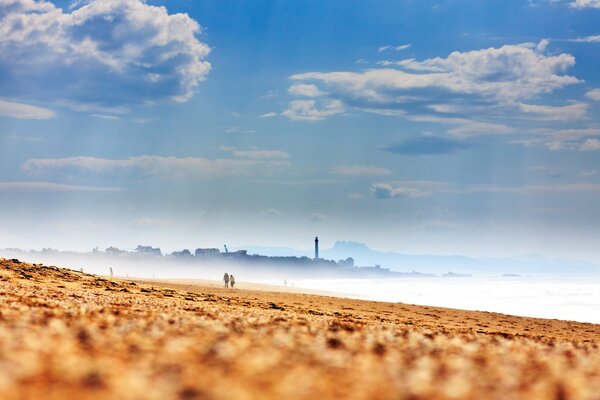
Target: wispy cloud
{"x":268,"y":115}
{"x":587,"y":39}
{"x":53,"y":187}
{"x":585,"y":4}
{"x":193,"y":167}
{"x":386,"y":191}
{"x":588,"y":173}
{"x":107,"y":117}
{"x":305,"y":90}
{"x":257,"y":154}
{"x":359,"y":170}
{"x":24,"y":111}
{"x":574,"y":111}
{"x":590,"y":145}
{"x":396,"y":48}
{"x":593,"y":94}
{"x":149,"y":222}
{"x":578,"y":187}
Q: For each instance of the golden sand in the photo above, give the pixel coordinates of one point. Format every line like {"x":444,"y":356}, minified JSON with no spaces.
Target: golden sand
{"x":69,"y":335}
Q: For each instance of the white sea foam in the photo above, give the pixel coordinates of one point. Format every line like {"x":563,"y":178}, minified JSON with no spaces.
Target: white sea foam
{"x":566,"y":298}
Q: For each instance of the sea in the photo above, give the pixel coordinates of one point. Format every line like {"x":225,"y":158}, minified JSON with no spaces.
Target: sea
{"x":574,"y":298}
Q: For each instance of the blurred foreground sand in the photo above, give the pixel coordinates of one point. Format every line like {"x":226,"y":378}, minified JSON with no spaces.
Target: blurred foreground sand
{"x":69,"y":335}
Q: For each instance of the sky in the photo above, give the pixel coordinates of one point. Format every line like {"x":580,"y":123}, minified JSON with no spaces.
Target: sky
{"x":437,"y":127}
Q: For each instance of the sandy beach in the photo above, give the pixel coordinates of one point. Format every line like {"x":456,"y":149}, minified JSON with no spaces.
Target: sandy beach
{"x":66,"y":334}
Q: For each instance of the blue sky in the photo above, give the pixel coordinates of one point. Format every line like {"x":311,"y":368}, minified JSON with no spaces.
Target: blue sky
{"x":457,"y":127}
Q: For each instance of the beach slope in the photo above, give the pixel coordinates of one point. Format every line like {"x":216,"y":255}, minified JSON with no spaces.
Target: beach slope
{"x":66,"y":334}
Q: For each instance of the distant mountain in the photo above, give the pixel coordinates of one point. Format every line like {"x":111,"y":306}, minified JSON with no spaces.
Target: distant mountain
{"x":363,"y":255}
{"x":437,"y":264}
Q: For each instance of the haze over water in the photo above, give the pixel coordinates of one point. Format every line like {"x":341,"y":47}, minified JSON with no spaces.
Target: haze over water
{"x":566,"y":298}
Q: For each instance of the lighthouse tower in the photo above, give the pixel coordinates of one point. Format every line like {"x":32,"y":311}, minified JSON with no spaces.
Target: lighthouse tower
{"x":316,"y":248}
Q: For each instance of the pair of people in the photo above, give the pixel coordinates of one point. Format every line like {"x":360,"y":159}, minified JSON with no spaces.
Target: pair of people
{"x":229,"y":280}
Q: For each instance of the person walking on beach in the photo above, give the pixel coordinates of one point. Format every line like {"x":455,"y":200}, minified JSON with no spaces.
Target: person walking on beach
{"x":231,"y":281}
{"x":226,"y":280}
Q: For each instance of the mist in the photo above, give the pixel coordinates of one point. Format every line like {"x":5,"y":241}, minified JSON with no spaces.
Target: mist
{"x":554,"y":294}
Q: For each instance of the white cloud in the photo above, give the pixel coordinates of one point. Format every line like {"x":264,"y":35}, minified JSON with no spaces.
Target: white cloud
{"x":318,"y":217}
{"x":444,"y":108}
{"x":465,"y":127}
{"x":237,"y":129}
{"x":90,"y":107}
{"x":538,"y":188}
{"x":161,"y":166}
{"x":30,"y":139}
{"x":103,"y":52}
{"x":588,"y":173}
{"x":571,"y":133}
{"x":573,"y":111}
{"x":148,"y":222}
{"x":396,"y":48}
{"x":356,"y":196}
{"x":587,"y":39}
{"x":585,"y":4}
{"x":107,"y":117}
{"x":590,"y":145}
{"x":473,"y":128}
{"x":593,"y":94}
{"x":52,"y":187}
{"x":257,"y":154}
{"x":306,"y":110}
{"x":506,"y":74}
{"x":556,"y":145}
{"x":541,"y":46}
{"x":24,"y":111}
{"x":563,"y":139}
{"x":387,"y":191}
{"x":273,"y":211}
{"x":305,"y":90}
{"x":359,"y":170}
{"x":268,"y":115}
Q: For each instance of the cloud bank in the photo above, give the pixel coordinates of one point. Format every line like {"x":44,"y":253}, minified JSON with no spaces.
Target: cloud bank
{"x":505,"y":74}
{"x":504,"y":77}
{"x":193,"y":167}
{"x":104,"y":52}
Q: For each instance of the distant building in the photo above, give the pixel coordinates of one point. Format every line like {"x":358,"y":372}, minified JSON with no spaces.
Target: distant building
{"x":316,"y":248}
{"x":114,"y":251}
{"x":348,"y":262}
{"x":155,"y":251}
{"x":182,"y":253}
{"x":207,"y":252}
{"x":236,"y":254}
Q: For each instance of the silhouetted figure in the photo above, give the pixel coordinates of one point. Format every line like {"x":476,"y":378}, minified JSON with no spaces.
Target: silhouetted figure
{"x":231,"y":281}
{"x":226,"y":280}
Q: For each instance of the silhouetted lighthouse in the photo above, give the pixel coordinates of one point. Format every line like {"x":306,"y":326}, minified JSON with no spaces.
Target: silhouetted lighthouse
{"x":316,"y":248}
